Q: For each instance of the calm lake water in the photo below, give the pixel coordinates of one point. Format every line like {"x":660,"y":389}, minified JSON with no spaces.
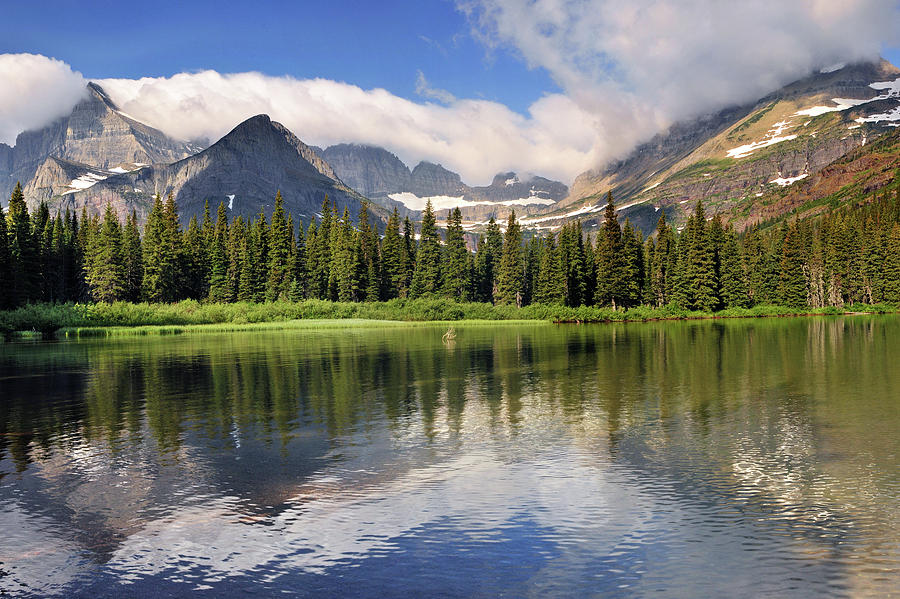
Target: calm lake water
{"x":685,"y":459}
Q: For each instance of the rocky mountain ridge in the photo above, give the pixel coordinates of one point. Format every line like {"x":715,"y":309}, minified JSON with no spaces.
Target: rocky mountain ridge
{"x":383,"y":177}
{"x":731,"y":158}
{"x":245,"y":169}
{"x":95,"y":134}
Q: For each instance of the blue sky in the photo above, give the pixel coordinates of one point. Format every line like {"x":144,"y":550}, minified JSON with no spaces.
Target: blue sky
{"x":606,"y":74}
{"x":370,"y":44}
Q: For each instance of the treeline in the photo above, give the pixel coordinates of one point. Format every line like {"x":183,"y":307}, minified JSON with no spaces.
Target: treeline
{"x":848,"y":256}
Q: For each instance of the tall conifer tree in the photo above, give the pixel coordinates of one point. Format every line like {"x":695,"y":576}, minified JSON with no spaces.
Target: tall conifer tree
{"x":455,"y":258}
{"x":23,"y":255}
{"x":7,"y":300}
{"x":105,"y":264}
{"x":279,"y":280}
{"x":610,"y":257}
{"x":218,"y":258}
{"x":393,"y":272}
{"x":426,"y":279}
{"x":132,"y":259}
{"x":510,"y":281}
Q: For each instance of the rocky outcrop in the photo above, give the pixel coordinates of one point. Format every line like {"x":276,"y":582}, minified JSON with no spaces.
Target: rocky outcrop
{"x":96,"y":133}
{"x":383,"y":177}
{"x":730,"y":158}
{"x":245,"y":169}
{"x":372,"y":171}
{"x":429,"y":179}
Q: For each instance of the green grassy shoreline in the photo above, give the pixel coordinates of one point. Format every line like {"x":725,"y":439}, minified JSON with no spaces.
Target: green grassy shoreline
{"x":121,"y":318}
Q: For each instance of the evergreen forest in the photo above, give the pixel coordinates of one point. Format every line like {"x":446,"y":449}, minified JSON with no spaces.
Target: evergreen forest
{"x":848,"y":255}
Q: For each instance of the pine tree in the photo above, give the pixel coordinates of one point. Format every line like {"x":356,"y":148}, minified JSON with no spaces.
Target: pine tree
{"x":611,"y":285}
{"x":7,"y":300}
{"x":392,"y":250}
{"x":42,"y":234}
{"x":344,"y":277}
{"x":72,"y":258}
{"x":551,"y":280}
{"x":132,"y":260}
{"x":207,"y":229}
{"x":532,"y":259}
{"x":312,"y":259}
{"x":237,"y":256}
{"x":162,"y":252}
{"x":23,"y":255}
{"x":320,"y":253}
{"x":731,"y":275}
{"x":427,"y":275}
{"x":574,"y":261}
{"x":105,"y":265}
{"x":174,"y":240}
{"x":875,"y":259}
{"x":370,"y":262}
{"x":255,"y":267}
{"x":57,"y":269}
{"x":408,"y":256}
{"x":455,"y":258}
{"x":716,"y":239}
{"x":195,"y":262}
{"x":792,"y":283}
{"x":299,"y":268}
{"x":663,"y":263}
{"x":510,"y":280}
{"x":218,"y":258}
{"x":892,"y":266}
{"x":279,"y":254}
{"x":487,"y":259}
{"x":701,"y":282}
{"x":633,"y":265}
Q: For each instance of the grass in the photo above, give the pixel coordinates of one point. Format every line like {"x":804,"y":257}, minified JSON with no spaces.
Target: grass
{"x":121,"y":318}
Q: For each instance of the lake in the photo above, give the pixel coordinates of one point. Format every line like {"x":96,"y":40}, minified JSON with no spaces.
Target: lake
{"x":740,"y":458}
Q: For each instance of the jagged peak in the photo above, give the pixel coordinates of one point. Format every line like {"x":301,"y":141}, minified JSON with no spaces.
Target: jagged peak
{"x":99,"y":93}
{"x":262,"y":126}
{"x":425,"y":166}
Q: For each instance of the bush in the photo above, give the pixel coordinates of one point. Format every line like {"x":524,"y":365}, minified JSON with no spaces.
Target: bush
{"x":48,"y":318}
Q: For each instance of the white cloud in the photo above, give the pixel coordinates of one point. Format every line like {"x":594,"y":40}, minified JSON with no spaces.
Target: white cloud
{"x":35,"y":91}
{"x":628,"y":70}
{"x":476,"y":138}
{"x":425,"y":89}
{"x":639,"y":66}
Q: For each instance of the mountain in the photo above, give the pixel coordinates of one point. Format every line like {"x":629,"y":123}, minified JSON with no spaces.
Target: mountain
{"x":380,"y":175}
{"x":372,"y":171}
{"x":858,"y":176}
{"x":95,"y":134}
{"x":731,"y":158}
{"x":244,"y":169}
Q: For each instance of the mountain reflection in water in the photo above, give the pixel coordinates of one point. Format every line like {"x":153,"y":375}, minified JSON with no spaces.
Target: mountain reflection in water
{"x":694,"y":458}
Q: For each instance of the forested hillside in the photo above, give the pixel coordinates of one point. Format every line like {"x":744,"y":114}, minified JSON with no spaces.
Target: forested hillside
{"x":847,"y":255}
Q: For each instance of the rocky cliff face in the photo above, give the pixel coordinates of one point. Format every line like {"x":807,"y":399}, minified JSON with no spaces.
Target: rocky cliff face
{"x":245,"y":169}
{"x":97,"y":134}
{"x":429,"y":179}
{"x":739,"y":154}
{"x":387,"y":181}
{"x":372,"y":171}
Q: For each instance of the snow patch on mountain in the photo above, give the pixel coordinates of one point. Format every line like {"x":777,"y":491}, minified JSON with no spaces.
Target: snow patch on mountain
{"x":785,"y":181}
{"x":84,"y":182}
{"x":773,"y":137}
{"x":842,"y":104}
{"x":890,"y":116}
{"x":414,"y":202}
